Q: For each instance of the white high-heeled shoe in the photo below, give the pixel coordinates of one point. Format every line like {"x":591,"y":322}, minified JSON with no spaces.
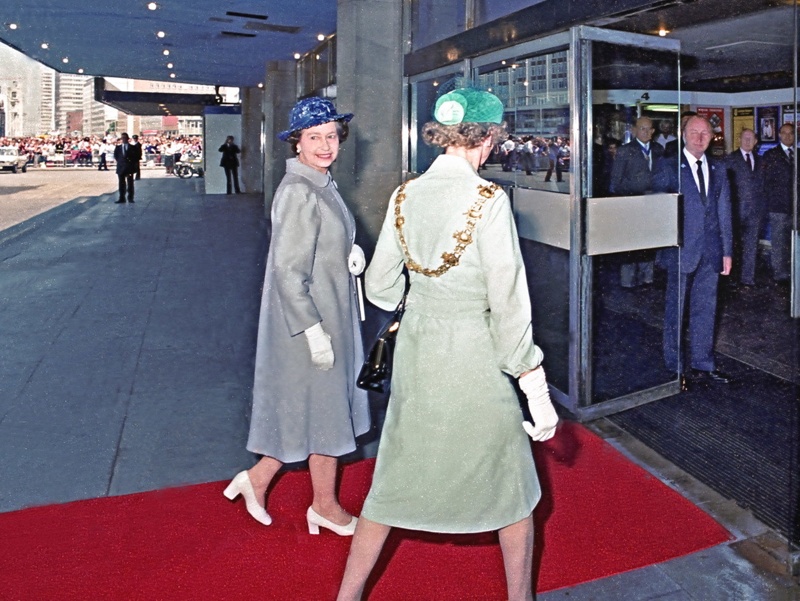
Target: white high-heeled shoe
{"x":315,"y":520}
{"x":241,"y":485}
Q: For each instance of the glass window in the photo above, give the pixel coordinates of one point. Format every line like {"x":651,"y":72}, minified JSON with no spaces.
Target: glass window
{"x":535,"y":92}
{"x":423,"y":96}
{"x":489,"y":10}
{"x":435,"y":20}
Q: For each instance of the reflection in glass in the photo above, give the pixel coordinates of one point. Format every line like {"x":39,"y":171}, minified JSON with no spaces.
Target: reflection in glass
{"x":535,"y":92}
{"x":632,"y":132}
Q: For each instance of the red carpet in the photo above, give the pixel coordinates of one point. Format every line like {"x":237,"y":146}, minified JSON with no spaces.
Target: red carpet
{"x":600,"y":515}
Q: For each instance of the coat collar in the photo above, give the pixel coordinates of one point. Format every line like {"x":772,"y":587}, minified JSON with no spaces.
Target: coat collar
{"x":320,"y":180}
{"x":451,"y":164}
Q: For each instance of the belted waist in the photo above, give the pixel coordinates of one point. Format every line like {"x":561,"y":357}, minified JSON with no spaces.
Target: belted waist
{"x":453,"y":307}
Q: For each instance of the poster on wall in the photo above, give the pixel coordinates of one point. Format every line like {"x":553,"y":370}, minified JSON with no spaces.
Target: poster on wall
{"x":743,"y":118}
{"x":716,"y":117}
{"x":767,"y":123}
{"x":787,"y":113}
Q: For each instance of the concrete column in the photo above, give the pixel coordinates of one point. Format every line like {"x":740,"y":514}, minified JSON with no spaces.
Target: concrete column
{"x":280,"y":94}
{"x":369,"y":78}
{"x":251,"y":173}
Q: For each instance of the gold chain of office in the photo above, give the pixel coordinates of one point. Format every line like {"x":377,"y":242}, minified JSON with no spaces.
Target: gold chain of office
{"x":463,"y":237}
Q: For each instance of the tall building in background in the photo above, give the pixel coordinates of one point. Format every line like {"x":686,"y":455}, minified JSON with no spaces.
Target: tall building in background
{"x":69,"y":100}
{"x":94,"y":113}
{"x":47,"y":99}
{"x":20,"y":80}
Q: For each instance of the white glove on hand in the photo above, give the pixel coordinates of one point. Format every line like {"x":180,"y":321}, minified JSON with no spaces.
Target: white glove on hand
{"x":356,"y":262}
{"x":534,"y":385}
{"x":319,"y":343}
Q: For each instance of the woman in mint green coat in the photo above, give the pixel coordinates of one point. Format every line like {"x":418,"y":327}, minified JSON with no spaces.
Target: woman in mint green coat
{"x":454,"y":456}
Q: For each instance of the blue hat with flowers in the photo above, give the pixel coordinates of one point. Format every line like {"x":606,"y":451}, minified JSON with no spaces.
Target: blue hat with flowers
{"x":312,"y":111}
{"x":468,"y":105}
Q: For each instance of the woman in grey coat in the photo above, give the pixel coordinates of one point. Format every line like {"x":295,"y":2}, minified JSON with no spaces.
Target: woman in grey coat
{"x":305,"y":402}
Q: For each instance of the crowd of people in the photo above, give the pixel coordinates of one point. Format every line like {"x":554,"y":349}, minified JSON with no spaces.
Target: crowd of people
{"x":97,"y":151}
{"x":533,"y":153}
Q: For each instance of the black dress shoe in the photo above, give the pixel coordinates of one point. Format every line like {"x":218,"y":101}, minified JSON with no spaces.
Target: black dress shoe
{"x":120,"y":201}
{"x":130,"y":200}
{"x":710,"y":376}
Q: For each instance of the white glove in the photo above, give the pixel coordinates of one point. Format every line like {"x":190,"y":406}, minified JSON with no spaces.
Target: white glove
{"x":356,"y":262}
{"x":534,"y":385}
{"x":319,"y":343}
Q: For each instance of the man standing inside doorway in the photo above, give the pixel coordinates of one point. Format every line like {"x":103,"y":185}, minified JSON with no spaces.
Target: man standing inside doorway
{"x":779,"y":180}
{"x":705,"y":253}
{"x":632,"y":175}
{"x":747,"y":195}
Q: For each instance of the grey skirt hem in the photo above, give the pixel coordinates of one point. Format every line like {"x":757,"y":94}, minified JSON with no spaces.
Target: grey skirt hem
{"x":297,"y":457}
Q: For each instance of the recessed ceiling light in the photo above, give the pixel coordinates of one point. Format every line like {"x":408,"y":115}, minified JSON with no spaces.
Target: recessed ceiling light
{"x":152,"y":6}
{"x":45,"y":46}
{"x":662,"y":32}
{"x":172,"y":75}
{"x":65,"y":60}
{"x":169,"y":65}
{"x":296,"y":56}
{"x":161,"y":34}
{"x":260,"y":85}
{"x":12,"y":25}
{"x":80,"y":70}
{"x":166,"y":52}
{"x":321,"y":37}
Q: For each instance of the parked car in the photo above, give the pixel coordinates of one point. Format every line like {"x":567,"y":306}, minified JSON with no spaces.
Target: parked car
{"x":12,"y":160}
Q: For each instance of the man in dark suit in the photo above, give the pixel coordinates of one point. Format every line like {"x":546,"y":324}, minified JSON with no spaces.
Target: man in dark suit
{"x":127,"y":157}
{"x":135,"y":142}
{"x":673,"y":147}
{"x":631,"y":175}
{"x":693,"y":269}
{"x":779,"y":181}
{"x":230,"y":162}
{"x":748,"y":199}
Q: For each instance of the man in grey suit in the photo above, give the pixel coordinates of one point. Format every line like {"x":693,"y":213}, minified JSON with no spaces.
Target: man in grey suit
{"x":631,"y":175}
{"x":693,"y":270}
{"x":749,"y":200}
{"x":779,"y":180}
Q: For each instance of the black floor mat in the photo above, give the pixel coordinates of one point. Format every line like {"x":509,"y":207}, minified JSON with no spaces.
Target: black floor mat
{"x":741,"y":439}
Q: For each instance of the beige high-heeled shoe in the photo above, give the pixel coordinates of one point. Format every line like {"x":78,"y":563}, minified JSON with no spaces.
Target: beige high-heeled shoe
{"x":241,"y":485}
{"x":315,"y":520}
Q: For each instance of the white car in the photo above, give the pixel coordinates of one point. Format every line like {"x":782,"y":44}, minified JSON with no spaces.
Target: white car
{"x":12,"y":160}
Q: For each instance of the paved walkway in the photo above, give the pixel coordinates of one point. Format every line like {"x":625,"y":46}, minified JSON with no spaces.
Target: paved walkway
{"x":129,"y":337}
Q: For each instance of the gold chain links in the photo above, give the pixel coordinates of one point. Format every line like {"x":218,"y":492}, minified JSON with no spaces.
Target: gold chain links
{"x":463,"y":237}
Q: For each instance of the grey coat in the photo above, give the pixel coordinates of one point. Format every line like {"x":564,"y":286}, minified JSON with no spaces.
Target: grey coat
{"x":298,"y":409}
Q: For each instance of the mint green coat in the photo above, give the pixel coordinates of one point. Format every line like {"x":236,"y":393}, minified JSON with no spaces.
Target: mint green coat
{"x":453,"y":456}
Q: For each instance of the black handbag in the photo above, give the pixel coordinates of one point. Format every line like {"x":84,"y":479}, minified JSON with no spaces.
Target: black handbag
{"x":376,"y":373}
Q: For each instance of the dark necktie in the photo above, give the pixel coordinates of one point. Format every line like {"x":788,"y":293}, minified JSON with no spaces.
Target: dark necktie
{"x":749,"y":160}
{"x":791,"y":153}
{"x":124,"y":150}
{"x":701,"y":182}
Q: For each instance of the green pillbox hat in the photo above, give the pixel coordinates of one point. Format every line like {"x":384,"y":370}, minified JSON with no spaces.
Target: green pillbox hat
{"x":468,"y":105}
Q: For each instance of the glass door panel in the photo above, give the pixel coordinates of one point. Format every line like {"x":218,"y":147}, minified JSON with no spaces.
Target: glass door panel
{"x":633,"y":84}
{"x":534,"y":164}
